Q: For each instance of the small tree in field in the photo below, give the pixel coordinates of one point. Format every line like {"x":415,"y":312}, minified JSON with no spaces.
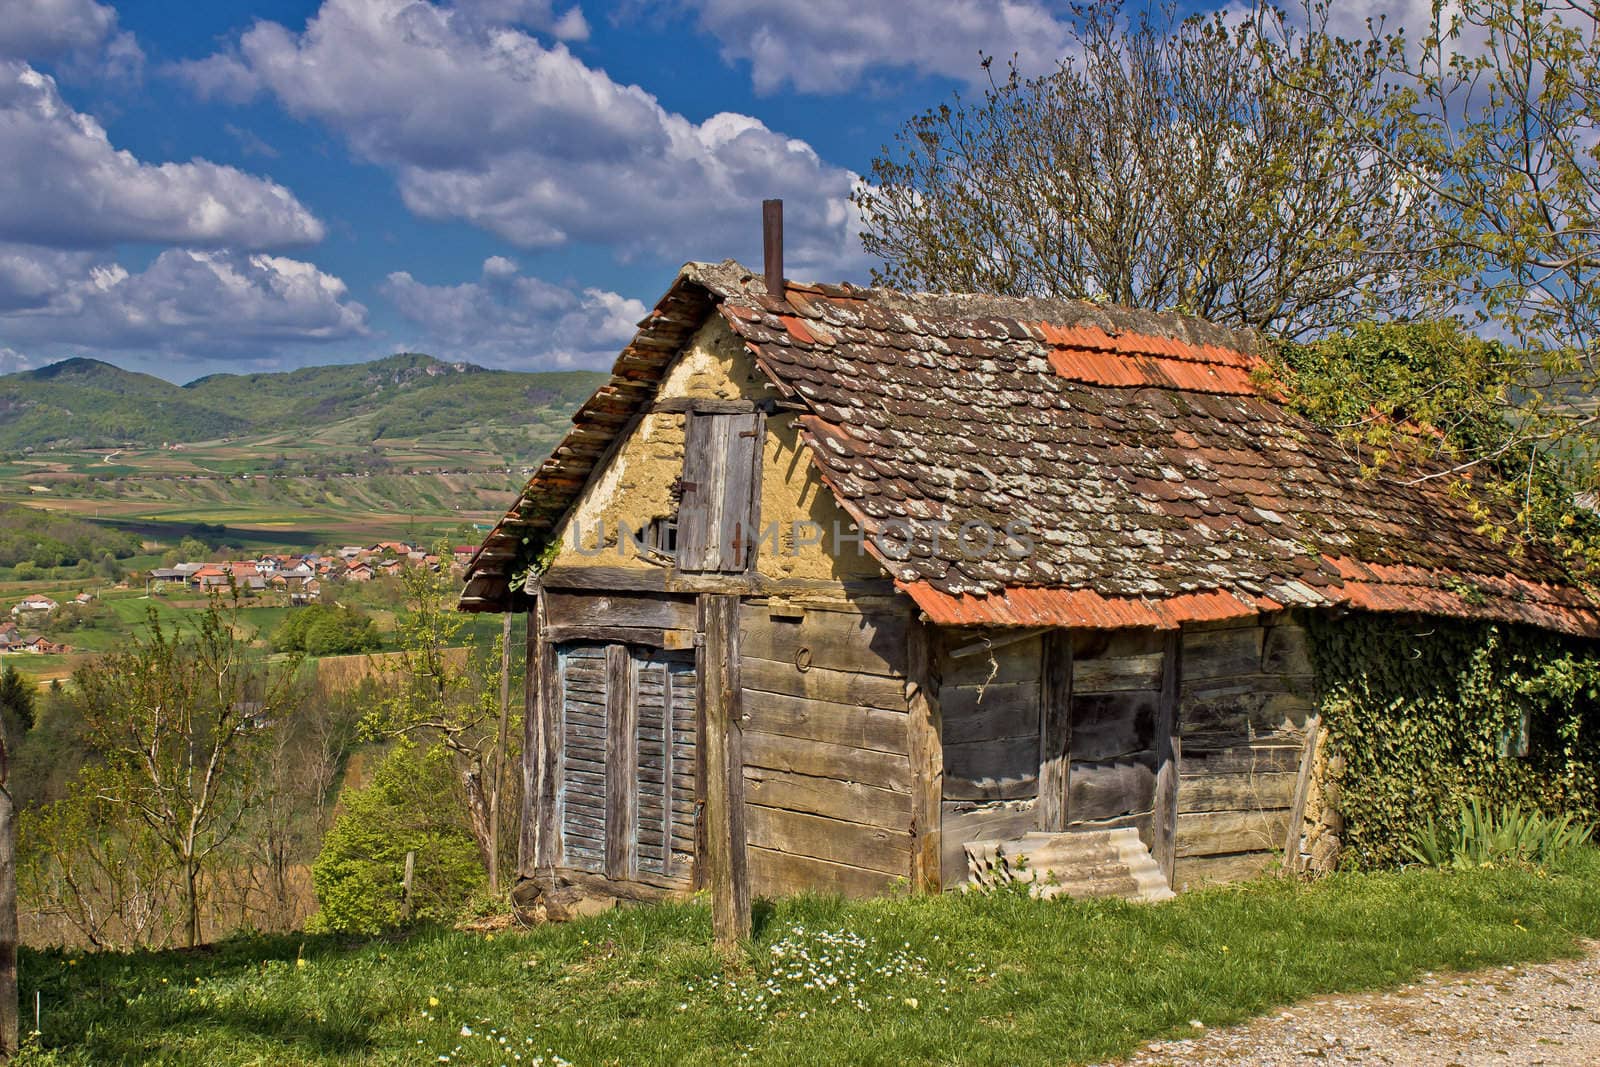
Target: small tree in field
{"x":177,"y":719}
{"x":438,"y":690}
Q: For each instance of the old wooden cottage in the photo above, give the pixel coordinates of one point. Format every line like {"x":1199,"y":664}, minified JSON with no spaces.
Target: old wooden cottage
{"x":836,"y":588}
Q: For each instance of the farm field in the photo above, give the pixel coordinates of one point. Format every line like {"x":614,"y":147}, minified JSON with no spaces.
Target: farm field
{"x":961,"y":978}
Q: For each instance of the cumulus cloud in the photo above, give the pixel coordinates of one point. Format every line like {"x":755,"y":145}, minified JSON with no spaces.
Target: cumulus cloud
{"x":186,"y":302}
{"x":78,"y":33}
{"x":832,"y":46}
{"x":509,"y":319}
{"x":484,"y":122}
{"x":67,"y":187}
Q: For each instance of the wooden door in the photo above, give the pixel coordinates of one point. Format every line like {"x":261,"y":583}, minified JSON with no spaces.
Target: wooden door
{"x":719,"y":510}
{"x":627,"y":793}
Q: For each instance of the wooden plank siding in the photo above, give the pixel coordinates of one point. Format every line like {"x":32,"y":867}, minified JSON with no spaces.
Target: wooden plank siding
{"x":827,"y":772}
{"x":1246,"y":696}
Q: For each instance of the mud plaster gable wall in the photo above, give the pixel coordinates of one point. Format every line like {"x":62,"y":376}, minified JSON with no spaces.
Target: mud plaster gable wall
{"x":636,"y":485}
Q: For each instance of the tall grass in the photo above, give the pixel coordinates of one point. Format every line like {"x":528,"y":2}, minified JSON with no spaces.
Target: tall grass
{"x":957,"y":979}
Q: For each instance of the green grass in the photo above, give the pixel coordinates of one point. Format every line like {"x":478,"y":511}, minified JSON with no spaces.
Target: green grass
{"x":959,"y":979}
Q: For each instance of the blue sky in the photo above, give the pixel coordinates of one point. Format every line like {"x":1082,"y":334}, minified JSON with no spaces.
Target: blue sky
{"x":196,"y":187}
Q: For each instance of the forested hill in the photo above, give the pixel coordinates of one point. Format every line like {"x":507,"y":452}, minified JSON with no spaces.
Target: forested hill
{"x":85,"y":403}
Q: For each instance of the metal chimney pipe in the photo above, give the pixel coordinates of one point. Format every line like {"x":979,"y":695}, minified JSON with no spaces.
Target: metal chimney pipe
{"x":772,"y":246}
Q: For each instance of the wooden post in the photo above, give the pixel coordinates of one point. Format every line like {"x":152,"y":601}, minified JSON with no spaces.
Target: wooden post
{"x":1055,"y":731}
{"x":722,"y":713}
{"x":622,"y":765}
{"x":498,"y":769}
{"x":1164,"y":821}
{"x":925,"y":723}
{"x":405,"y":886}
{"x":539,"y":846}
{"x":1302,"y":786}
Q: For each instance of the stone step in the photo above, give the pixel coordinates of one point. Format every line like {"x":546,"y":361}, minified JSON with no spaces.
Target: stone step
{"x":1075,"y":863}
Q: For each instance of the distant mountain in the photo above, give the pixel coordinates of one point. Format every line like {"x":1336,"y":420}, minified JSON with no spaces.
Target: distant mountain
{"x":85,"y":403}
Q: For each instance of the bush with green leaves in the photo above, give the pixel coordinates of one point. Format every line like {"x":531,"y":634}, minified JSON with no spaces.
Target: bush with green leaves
{"x":359,"y":874}
{"x":1484,"y":836}
{"x":1421,"y":712}
{"x":325,"y":630}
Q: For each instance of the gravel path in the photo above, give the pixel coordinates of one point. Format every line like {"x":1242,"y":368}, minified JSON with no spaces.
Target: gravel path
{"x":1545,"y":1013}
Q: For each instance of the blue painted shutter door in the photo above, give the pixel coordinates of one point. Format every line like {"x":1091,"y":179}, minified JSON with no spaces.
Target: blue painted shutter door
{"x":583,"y":763}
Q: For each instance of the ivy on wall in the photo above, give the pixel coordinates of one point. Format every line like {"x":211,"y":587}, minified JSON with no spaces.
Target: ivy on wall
{"x":1424,"y":711}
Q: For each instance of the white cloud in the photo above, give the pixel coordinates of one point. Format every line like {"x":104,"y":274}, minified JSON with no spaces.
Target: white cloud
{"x":12,"y":361}
{"x":63,"y":184}
{"x":832,"y":46}
{"x":512,"y":320}
{"x":570,"y":25}
{"x":79,"y":33}
{"x":186,"y":302}
{"x":486,"y":123}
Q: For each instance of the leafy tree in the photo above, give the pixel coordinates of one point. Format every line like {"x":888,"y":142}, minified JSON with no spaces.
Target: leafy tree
{"x":325,"y":630}
{"x":1164,"y":164}
{"x":177,"y":718}
{"x":438,"y":690}
{"x":360,"y":871}
{"x":1495,"y":114}
{"x":1404,"y":393}
{"x":17,"y":699}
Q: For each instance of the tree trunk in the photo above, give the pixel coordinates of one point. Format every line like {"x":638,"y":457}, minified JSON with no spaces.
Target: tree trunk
{"x":9,"y":1010}
{"x":192,"y":891}
{"x":477,"y":808}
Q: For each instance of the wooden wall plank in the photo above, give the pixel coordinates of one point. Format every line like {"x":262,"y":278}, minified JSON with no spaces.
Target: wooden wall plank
{"x":831,"y":797}
{"x":620,"y":609}
{"x":872,"y":848}
{"x":1015,"y":662}
{"x":866,"y":643}
{"x":1004,"y":768}
{"x":1055,"y":731}
{"x":1104,"y":790}
{"x":818,"y":683}
{"x":1214,"y":832}
{"x":779,"y":874}
{"x":819,"y":759}
{"x":539,"y":846}
{"x":824,"y":720}
{"x":925,"y":742}
{"x":1116,"y":674}
{"x":1168,"y":748}
{"x":720,"y":698}
{"x":1110,"y":725}
{"x":1234,"y":792}
{"x":1197,"y":871}
{"x":979,"y":713}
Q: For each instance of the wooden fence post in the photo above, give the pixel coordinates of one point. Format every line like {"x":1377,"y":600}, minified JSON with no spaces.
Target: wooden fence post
{"x":722,"y":714}
{"x":926,"y":743}
{"x":1169,"y":753}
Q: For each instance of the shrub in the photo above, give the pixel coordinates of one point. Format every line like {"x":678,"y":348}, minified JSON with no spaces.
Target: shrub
{"x":325,"y":630}
{"x":1481,"y":836}
{"x":359,"y":873}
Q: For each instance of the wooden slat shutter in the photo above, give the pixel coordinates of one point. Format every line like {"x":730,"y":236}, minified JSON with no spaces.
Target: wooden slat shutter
{"x":666,"y":766}
{"x":583,"y":759}
{"x":719,"y":513}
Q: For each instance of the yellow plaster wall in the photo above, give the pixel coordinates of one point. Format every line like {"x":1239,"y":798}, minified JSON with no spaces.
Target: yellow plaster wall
{"x":636,"y":485}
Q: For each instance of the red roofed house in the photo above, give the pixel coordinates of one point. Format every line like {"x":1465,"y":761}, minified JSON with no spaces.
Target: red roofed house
{"x":908,"y":583}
